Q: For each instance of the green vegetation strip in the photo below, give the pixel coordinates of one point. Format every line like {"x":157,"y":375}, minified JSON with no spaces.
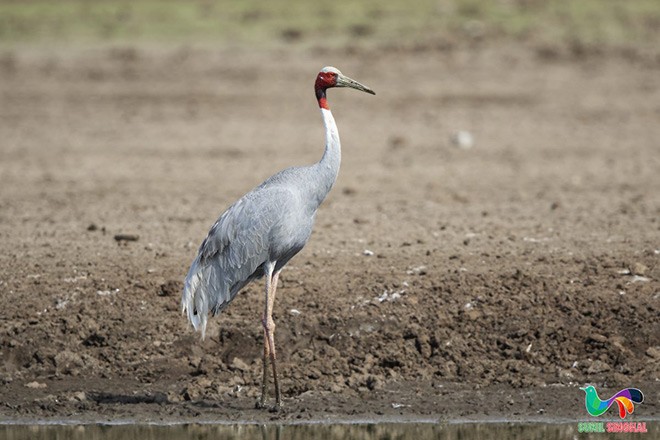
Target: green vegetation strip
{"x":338,"y":22}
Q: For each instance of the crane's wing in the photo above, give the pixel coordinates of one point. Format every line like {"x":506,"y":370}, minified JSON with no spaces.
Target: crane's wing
{"x":232,"y":252}
{"x":238,"y":235}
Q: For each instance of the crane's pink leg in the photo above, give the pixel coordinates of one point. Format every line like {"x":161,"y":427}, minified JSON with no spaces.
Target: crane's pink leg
{"x":261,"y":403}
{"x":269,"y":340}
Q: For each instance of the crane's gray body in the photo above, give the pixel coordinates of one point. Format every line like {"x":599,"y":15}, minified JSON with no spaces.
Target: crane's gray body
{"x":270,"y":224}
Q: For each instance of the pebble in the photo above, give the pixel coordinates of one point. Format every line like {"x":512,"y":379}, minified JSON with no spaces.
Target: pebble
{"x":239,"y":364}
{"x":639,"y":269}
{"x":127,"y":237}
{"x":598,"y":366}
{"x":598,"y":338}
{"x":653,"y":352}
{"x":640,"y":279}
{"x":204,"y":382}
{"x":463,"y":139}
{"x":107,"y":292}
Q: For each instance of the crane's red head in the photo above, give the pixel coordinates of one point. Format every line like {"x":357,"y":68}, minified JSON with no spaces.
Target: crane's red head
{"x":330,"y":77}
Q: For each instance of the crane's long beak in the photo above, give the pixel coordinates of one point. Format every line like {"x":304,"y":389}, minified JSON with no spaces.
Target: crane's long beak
{"x":344,"y":81}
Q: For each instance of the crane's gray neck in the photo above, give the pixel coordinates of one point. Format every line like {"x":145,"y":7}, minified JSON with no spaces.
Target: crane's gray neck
{"x":328,"y":167}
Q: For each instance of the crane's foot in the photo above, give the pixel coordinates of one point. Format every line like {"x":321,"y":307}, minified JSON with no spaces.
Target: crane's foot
{"x":260,"y":404}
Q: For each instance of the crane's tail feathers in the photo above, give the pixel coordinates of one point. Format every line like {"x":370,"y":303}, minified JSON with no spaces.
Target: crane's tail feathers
{"x":206,"y":290}
{"x":194,"y":301}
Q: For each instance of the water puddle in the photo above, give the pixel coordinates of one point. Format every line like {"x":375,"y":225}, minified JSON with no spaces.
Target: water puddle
{"x":381,"y":431}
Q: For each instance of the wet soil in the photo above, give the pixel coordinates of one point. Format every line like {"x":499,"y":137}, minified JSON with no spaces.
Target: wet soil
{"x":444,"y":280}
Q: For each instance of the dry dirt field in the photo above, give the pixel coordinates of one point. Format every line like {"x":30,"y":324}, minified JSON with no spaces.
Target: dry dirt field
{"x":499,"y":278}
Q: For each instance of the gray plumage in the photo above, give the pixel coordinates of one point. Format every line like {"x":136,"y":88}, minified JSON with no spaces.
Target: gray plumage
{"x":262,"y":231}
{"x":271,"y":223}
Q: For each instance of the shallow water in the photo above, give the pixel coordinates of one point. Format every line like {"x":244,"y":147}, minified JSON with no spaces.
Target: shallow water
{"x":385,"y":431}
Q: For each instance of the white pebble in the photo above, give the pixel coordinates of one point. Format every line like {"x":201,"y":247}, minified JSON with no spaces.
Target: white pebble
{"x":463,"y":139}
{"x":107,"y":292}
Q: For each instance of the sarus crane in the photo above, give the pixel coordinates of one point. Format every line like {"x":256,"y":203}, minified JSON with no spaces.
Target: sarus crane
{"x":257,"y":235}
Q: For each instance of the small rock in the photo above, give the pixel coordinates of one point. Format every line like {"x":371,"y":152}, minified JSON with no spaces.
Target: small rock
{"x":107,"y":292}
{"x":127,"y":237}
{"x":639,"y":269}
{"x":236,"y":381}
{"x":473,"y":314}
{"x":639,"y":278}
{"x":239,"y":364}
{"x":598,"y":366}
{"x":619,"y":348}
{"x":598,"y":338}
{"x":80,"y":396}
{"x":204,"y":382}
{"x":463,"y":139}
{"x":314,"y":373}
{"x":417,"y":270}
{"x":195,"y":361}
{"x":367,"y":252}
{"x":36,"y":385}
{"x":653,"y":352}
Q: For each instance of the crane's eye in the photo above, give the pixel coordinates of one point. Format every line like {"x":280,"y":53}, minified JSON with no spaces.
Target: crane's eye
{"x":326,"y":79}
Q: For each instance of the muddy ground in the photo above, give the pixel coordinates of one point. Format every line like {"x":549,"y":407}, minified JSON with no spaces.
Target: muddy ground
{"x":440,"y":283}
